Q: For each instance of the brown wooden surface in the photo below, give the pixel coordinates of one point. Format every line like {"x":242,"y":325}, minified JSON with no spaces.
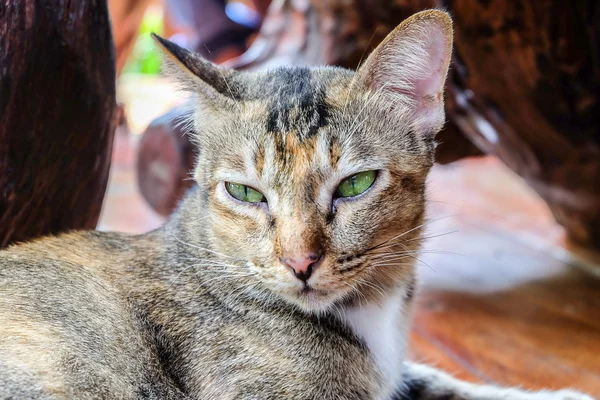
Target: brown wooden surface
{"x":498,"y":302}
{"x":503,"y":307}
{"x":57,"y":115}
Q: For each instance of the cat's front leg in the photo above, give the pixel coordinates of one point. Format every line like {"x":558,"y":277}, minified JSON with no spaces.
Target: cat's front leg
{"x":426,"y":383}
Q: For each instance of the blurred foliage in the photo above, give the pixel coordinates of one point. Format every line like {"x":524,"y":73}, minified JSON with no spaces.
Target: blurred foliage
{"x":145,"y":57}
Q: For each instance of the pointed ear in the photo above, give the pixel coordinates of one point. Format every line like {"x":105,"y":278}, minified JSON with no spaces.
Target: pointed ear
{"x":195,"y":74}
{"x":410,"y":66}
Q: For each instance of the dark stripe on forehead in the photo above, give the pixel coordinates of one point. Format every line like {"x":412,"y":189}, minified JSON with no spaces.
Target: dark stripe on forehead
{"x":335,"y":152}
{"x":259,"y":160}
{"x":297,"y":102}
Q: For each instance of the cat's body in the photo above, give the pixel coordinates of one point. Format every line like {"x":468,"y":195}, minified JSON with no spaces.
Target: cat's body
{"x":172,"y":332}
{"x":287,"y":273}
{"x":67,"y":332}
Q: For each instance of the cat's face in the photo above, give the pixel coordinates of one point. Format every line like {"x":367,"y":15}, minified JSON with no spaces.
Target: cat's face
{"x":315,"y":177}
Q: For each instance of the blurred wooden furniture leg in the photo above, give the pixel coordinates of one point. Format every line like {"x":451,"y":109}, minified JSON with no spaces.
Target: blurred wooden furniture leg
{"x":57,"y":115}
{"x":164,"y":164}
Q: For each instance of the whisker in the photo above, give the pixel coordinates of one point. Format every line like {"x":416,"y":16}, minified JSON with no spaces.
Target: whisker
{"x":218,"y":263}
{"x":401,"y":255}
{"x":228,"y":276}
{"x":409,"y":231}
{"x":188,"y":267}
{"x":434,"y":235}
{"x":204,"y":249}
{"x":442,"y":252}
{"x":179,"y":274}
{"x":378,"y":256}
{"x":416,"y":258}
{"x":392,"y":265}
{"x":373,"y":286}
{"x":354,"y":289}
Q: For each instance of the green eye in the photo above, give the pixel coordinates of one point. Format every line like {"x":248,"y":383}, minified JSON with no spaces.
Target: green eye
{"x":244,"y":193}
{"x":356,"y":184}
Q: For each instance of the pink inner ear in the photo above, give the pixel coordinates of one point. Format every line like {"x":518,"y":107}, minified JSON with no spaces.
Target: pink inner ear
{"x":413,"y":61}
{"x":429,"y":84}
{"x":413,"y":65}
{"x":429,"y":88}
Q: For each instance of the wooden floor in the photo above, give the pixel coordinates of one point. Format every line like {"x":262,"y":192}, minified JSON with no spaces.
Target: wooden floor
{"x":501,"y":301}
{"x":510,"y":307}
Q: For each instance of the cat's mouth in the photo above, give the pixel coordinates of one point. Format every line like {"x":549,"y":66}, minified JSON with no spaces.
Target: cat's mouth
{"x":311,"y":294}
{"x":307,"y":289}
{"x":312,"y":299}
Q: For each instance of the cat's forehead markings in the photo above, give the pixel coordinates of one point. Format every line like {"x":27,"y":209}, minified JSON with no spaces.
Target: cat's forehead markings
{"x":296,"y":105}
{"x":281,"y":158}
{"x":233,"y":162}
{"x":335,"y":152}
{"x":259,"y":159}
{"x":296,"y":101}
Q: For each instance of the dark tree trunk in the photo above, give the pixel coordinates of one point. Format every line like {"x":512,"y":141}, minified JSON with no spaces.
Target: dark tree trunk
{"x":57,"y":115}
{"x":526,"y":88}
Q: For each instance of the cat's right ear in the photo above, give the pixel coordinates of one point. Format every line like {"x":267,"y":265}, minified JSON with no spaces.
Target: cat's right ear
{"x":195,"y":74}
{"x":409,"y":68}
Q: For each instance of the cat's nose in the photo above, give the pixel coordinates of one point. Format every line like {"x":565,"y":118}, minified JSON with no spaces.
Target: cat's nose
{"x":304,"y":265}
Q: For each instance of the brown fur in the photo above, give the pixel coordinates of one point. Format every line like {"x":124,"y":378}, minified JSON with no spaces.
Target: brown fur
{"x":205,"y":307}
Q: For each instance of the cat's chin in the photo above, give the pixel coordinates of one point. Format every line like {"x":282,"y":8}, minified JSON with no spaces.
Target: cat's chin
{"x":313,"y":301}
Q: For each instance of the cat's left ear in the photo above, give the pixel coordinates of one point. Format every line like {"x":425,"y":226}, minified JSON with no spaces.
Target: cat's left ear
{"x":410,"y":66}
{"x":194,"y":74}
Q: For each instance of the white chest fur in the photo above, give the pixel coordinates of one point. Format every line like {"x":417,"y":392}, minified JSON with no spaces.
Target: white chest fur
{"x":384,"y":328}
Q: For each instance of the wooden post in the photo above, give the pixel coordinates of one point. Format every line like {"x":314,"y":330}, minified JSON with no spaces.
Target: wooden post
{"x":57,"y":115}
{"x":165,"y":164}
{"x":526,"y":88}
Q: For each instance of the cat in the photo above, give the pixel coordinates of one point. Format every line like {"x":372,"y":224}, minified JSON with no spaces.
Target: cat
{"x":285,"y":273}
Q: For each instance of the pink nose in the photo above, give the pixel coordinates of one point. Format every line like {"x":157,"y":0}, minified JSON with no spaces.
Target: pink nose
{"x":303,"y":266}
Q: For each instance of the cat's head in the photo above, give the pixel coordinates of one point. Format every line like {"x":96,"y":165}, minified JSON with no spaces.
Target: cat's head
{"x":314,"y":178}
